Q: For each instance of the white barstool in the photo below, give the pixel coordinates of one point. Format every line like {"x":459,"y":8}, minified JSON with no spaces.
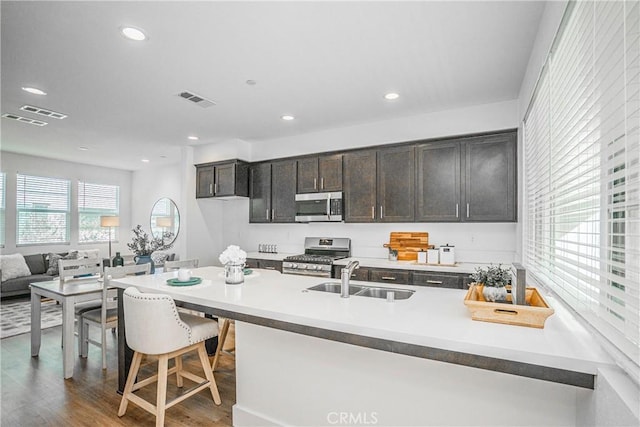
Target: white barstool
{"x":153,"y":326}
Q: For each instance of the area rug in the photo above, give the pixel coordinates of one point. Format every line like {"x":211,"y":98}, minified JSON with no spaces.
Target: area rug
{"x":15,"y":316}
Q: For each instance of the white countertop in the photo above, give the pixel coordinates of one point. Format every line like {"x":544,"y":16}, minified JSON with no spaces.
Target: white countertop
{"x":432,"y":317}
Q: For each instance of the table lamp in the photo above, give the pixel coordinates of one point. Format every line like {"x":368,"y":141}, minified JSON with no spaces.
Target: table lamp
{"x":164,"y":222}
{"x":109,"y":221}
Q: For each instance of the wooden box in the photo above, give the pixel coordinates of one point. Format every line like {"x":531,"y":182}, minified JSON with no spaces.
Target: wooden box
{"x":533,"y":314}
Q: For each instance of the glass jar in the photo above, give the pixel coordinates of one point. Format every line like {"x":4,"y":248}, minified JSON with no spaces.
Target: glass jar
{"x":117,"y":260}
{"x":233,"y":273}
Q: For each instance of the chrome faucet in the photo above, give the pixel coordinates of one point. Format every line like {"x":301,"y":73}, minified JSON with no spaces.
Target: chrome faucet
{"x":345,"y":275}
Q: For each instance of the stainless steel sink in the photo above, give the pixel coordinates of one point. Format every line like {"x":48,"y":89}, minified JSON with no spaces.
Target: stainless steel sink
{"x":363,"y":291}
{"x":334,"y":287}
{"x":383,"y":293}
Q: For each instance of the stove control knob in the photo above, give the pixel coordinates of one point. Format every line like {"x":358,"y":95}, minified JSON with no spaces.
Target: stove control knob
{"x":294,"y":265}
{"x":312,"y":267}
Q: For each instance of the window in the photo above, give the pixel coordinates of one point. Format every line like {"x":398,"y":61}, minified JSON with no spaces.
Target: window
{"x":582,"y":167}
{"x":3,"y":190}
{"x":95,"y":200}
{"x":43,"y":210}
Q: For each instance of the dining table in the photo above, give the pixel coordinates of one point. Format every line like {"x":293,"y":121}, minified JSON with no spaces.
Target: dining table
{"x":68,"y":294}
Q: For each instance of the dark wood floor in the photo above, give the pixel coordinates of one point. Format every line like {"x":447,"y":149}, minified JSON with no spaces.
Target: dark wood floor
{"x":34,"y":392}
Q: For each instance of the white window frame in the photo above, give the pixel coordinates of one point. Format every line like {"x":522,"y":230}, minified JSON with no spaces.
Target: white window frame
{"x":46,"y":200}
{"x":95,"y":200}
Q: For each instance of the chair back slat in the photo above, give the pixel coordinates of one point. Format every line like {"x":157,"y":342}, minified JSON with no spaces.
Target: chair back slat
{"x":79,"y":268}
{"x":109,"y":294}
{"x":183,"y":263}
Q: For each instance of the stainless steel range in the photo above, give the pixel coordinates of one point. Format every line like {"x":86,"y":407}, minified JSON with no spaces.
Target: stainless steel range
{"x":318,"y":257}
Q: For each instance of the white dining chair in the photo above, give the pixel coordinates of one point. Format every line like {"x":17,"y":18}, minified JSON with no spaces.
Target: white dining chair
{"x":183,"y":263}
{"x":106,"y":317}
{"x":153,"y":326}
{"x":78,"y":270}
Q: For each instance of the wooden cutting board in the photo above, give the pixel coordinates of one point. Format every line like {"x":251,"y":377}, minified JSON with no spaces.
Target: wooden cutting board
{"x":408,"y":244}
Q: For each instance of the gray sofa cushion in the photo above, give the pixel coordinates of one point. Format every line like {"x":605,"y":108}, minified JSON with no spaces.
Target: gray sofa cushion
{"x":36,"y":263}
{"x":20,"y":285}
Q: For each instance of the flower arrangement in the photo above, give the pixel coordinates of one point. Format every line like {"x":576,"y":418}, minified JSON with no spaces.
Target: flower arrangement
{"x":141,"y":244}
{"x":233,"y":255}
{"x":494,"y":276}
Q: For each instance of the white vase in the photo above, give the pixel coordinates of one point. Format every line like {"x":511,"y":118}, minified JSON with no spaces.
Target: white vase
{"x":233,"y":273}
{"x":494,"y":293}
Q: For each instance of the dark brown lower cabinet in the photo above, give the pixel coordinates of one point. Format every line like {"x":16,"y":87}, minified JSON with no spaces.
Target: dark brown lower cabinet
{"x":389,"y":276}
{"x":408,"y":277}
{"x":267,"y":264}
{"x":438,"y":280}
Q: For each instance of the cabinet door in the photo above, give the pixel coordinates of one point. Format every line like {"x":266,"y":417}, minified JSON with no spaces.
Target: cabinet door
{"x":225,"y":180}
{"x":251,"y":263}
{"x":283,"y":191}
{"x":438,"y":280}
{"x":490,"y":178}
{"x":360,"y":186}
{"x":330,"y":173}
{"x":396,"y":180}
{"x":389,"y":276}
{"x":438,"y":182}
{"x":260,"y":192}
{"x":204,"y":181}
{"x":308,"y":175}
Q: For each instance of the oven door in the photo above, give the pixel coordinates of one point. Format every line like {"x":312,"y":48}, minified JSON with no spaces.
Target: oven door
{"x":314,"y":207}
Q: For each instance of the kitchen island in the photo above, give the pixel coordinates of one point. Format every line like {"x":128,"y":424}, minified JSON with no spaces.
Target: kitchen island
{"x":312,"y":358}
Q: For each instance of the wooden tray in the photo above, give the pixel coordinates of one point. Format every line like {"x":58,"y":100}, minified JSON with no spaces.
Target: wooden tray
{"x":408,"y":244}
{"x":533,"y":314}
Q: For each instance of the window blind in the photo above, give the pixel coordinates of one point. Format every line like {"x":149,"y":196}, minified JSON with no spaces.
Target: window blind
{"x":3,"y":190}
{"x":95,"y":200}
{"x":43,"y":210}
{"x":582,"y":167}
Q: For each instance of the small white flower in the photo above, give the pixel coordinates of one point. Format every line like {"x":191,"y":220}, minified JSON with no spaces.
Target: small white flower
{"x":233,"y":255}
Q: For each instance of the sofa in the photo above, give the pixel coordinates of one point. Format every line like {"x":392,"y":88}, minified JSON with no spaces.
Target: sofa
{"x":38,"y":266}
{"x":40,"y":270}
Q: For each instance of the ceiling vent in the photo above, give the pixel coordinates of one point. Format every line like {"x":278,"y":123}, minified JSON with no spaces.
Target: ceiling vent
{"x":24,"y":119}
{"x":43,"y":112}
{"x":200,"y":101}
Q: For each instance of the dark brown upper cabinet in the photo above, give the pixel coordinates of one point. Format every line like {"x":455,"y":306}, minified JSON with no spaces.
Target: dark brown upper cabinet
{"x":490,"y":193}
{"x":468,"y":179}
{"x":222,"y":179}
{"x":319,"y":173}
{"x":272,"y":188}
{"x":379,"y":185}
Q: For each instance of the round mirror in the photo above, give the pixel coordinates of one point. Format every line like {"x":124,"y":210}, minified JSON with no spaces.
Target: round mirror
{"x":165,"y":220}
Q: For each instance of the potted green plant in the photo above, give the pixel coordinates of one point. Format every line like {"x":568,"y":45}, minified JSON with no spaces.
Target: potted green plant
{"x":493,"y":280}
{"x":143,"y":246}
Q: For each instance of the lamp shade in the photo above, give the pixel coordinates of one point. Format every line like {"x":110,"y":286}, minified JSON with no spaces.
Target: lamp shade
{"x":109,"y":221}
{"x":164,"y":221}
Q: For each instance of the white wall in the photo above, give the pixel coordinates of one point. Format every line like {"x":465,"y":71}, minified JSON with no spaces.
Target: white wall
{"x":149,"y":186}
{"x":12,"y":164}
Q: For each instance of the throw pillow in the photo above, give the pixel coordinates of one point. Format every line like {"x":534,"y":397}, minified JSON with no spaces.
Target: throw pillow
{"x":53,"y":261}
{"x":36,"y":263}
{"x":13,"y":266}
{"x":88,"y":253}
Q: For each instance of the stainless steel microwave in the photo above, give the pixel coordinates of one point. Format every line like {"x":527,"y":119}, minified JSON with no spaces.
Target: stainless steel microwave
{"x":315,"y":207}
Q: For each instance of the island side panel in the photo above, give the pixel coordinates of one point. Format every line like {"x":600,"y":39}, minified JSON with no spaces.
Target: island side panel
{"x":291,"y":379}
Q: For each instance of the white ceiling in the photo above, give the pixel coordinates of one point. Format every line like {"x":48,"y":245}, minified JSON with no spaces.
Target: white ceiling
{"x":327,"y":63}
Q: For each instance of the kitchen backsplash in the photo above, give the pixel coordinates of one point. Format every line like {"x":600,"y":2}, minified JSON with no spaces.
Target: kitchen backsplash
{"x":474,"y":242}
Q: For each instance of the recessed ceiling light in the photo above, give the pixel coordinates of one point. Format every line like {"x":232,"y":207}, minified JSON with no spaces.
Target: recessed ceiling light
{"x":391,"y":96}
{"x":251,"y":82}
{"x":145,"y":160}
{"x":83,"y":148}
{"x":34,"y":90}
{"x":193,"y":137}
{"x":287,"y":117}
{"x":133,"y":33}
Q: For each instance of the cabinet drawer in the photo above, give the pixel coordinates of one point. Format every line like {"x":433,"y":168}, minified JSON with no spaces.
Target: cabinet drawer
{"x":251,"y":263}
{"x":439,"y":280}
{"x":389,"y":276}
{"x":268,"y":264}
